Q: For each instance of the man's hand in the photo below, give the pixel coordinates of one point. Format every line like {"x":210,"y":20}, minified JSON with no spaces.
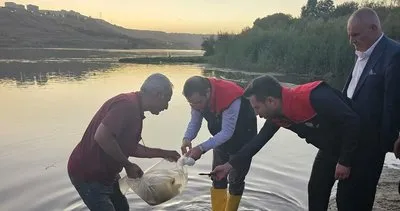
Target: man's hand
{"x":133,"y":171}
{"x":170,"y":155}
{"x":221,"y":171}
{"x":396,"y":148}
{"x":194,"y":153}
{"x":342,"y":172}
{"x":186,"y":144}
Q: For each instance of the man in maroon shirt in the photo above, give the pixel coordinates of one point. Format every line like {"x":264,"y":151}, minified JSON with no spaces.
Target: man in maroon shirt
{"x":111,"y":137}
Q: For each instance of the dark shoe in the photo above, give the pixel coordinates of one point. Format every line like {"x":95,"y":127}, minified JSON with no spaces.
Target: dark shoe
{"x":398,"y":188}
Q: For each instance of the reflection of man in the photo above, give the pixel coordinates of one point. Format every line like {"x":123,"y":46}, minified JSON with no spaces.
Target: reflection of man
{"x":316,"y":112}
{"x":374,"y":89}
{"x":231,"y":121}
{"x":111,"y":137}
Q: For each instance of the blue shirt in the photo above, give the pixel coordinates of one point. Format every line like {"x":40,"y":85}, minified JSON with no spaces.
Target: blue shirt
{"x":229,"y":119}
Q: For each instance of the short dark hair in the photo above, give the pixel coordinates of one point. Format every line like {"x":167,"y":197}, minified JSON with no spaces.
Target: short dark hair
{"x":196,"y":84}
{"x":264,"y":86}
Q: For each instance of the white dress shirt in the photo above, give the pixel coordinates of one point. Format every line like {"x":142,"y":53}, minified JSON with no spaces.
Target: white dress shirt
{"x":359,"y":67}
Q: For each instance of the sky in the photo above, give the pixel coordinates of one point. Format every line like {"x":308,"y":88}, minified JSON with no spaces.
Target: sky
{"x":190,"y":16}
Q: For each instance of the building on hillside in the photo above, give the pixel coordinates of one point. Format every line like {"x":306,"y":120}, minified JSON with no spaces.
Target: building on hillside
{"x":62,"y":13}
{"x":10,"y":4}
{"x":51,"y":13}
{"x":13,"y":5}
{"x":45,"y":12}
{"x":32,"y":8}
{"x":73,"y":13}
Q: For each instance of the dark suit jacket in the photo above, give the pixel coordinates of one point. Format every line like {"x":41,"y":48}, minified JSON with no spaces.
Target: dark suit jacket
{"x":377,"y":96}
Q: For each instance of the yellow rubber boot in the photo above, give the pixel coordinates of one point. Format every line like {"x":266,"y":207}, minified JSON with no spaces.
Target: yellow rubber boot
{"x":233,"y":202}
{"x":218,"y":199}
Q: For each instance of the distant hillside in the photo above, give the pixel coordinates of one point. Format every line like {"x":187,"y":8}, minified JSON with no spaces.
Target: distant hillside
{"x":20,"y":28}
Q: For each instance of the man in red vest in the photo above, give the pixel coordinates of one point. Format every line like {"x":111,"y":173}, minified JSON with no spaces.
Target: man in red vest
{"x":231,"y":122}
{"x":317,"y":113}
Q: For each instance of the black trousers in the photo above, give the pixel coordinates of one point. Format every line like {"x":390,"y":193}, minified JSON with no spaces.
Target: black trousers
{"x":357,"y":193}
{"x":235,"y":177}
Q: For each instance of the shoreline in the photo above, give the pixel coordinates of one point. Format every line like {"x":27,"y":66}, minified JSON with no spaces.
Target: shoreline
{"x":387,"y":197}
{"x":165,"y":60}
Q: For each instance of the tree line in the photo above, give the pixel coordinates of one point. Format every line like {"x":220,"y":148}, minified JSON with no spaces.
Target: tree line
{"x":314,"y":44}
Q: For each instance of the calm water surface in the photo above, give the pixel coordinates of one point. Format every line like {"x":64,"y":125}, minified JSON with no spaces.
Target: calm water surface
{"x":48,"y":96}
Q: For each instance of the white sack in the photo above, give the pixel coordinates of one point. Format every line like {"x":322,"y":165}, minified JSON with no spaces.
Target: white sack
{"x":160,"y":183}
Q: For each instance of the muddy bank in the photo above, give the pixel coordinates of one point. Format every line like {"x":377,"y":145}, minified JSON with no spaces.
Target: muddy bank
{"x":387,"y":196}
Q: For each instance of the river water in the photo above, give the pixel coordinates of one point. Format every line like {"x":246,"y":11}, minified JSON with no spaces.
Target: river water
{"x":48,"y":96}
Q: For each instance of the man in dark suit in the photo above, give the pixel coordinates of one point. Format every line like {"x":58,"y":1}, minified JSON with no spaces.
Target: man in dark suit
{"x":374,"y":89}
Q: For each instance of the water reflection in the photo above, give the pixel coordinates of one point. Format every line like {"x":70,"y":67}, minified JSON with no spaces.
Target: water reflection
{"x":39,"y":73}
{"x":32,"y":54}
{"x":28,"y":74}
{"x":27,"y":67}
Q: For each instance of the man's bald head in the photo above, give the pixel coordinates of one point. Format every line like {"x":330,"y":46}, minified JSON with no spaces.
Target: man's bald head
{"x":364,"y":28}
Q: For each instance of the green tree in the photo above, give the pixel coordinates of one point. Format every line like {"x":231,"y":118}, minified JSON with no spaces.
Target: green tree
{"x":208,"y":46}
{"x":325,"y":8}
{"x":307,"y":46}
{"x":347,"y":8}
{"x":309,"y":10}
{"x":272,"y":21}
{"x":391,"y":25}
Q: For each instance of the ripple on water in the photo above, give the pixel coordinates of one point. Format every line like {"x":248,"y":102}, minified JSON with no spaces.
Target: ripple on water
{"x":196,"y":197}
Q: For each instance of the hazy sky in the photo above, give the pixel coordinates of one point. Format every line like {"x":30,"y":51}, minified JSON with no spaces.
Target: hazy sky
{"x":194,"y":16}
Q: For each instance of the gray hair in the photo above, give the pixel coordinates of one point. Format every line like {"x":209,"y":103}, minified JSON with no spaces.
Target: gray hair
{"x":157,"y":83}
{"x":366,"y":15}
